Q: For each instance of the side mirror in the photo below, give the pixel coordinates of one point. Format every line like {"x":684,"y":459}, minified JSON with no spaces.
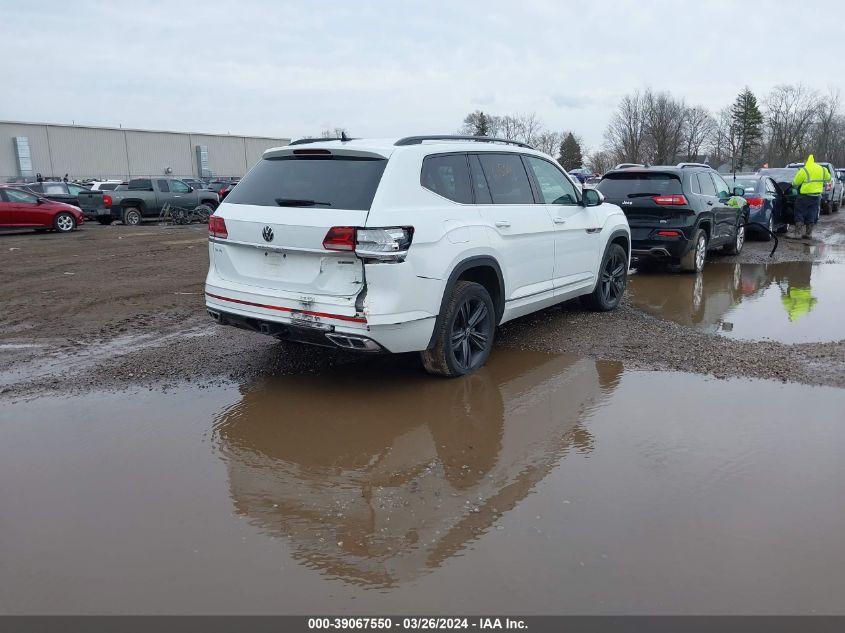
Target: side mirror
{"x":592,"y":197}
{"x":39,"y":201}
{"x":739,"y":191}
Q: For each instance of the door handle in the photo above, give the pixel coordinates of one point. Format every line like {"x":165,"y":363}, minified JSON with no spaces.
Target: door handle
{"x":502,"y":223}
{"x":559,"y":220}
{"x":710,"y":203}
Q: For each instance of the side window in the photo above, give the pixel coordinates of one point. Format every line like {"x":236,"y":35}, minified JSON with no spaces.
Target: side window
{"x":705,"y":182}
{"x":479,"y":182}
{"x":693,"y":184}
{"x":54,"y":189}
{"x":163,"y":186}
{"x":770,"y":186}
{"x":179,"y":187}
{"x":506,"y":178}
{"x":14,"y":195}
{"x":447,"y":175}
{"x":75,"y":190}
{"x":140,"y":184}
{"x":555,"y":188}
{"x":722,"y":189}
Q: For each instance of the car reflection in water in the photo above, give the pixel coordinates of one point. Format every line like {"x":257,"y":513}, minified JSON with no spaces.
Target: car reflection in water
{"x":376,"y":478}
{"x":790,"y":302}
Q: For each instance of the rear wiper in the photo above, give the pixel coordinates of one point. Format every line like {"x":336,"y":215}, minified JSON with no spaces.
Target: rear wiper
{"x":642,"y":195}
{"x":296,"y":202}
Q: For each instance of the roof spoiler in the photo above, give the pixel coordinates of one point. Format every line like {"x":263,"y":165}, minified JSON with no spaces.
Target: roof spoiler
{"x":305,"y":141}
{"x":418,"y":140}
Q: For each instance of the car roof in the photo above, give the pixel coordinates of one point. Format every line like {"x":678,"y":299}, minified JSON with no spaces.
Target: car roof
{"x":385,"y":147}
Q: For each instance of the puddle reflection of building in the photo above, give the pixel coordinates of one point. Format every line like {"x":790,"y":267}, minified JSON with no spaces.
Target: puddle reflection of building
{"x":376,"y":479}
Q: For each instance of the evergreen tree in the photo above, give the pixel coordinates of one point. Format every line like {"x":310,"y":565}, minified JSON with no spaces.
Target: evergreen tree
{"x":477,"y":124}
{"x":747,"y":127}
{"x":570,"y":153}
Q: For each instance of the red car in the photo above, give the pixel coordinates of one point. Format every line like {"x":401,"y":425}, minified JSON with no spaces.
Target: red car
{"x":21,"y":209}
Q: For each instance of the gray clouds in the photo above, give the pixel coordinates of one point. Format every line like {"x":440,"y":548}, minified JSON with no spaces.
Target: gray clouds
{"x":386,"y":68}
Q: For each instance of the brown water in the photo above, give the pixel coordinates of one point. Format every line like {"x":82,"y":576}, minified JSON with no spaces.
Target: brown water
{"x":795,"y":302}
{"x":542,"y":484}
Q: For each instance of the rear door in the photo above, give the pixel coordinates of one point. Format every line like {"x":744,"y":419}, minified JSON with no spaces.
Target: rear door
{"x":576,"y":241}
{"x":726,"y":216}
{"x":521,"y":229}
{"x":280,"y":213}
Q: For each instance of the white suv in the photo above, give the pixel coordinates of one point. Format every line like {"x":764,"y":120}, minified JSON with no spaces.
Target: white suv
{"x":424,"y":244}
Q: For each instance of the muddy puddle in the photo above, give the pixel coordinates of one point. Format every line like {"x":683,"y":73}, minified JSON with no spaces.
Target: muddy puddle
{"x":795,"y":302}
{"x":542,"y":484}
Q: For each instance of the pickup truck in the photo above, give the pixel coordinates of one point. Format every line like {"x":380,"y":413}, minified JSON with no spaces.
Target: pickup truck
{"x":143,"y":198}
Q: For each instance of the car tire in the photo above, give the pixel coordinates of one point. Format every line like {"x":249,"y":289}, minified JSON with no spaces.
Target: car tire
{"x":612,"y":281}
{"x":735,"y":247}
{"x":693,"y":261}
{"x":210,"y":203}
{"x":105,"y":221}
{"x":131,"y":216}
{"x":459,"y":350}
{"x":64,"y":222}
{"x":825,"y":208}
{"x":835,"y":207}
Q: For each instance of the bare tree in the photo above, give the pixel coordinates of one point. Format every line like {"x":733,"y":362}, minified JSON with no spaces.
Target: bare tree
{"x":521,"y":127}
{"x":601,"y":161}
{"x":625,"y":134}
{"x":336,"y":132}
{"x":825,"y":139}
{"x":663,"y":126}
{"x":698,"y":130}
{"x":790,"y":115}
{"x":725,"y":140}
{"x":549,"y":142}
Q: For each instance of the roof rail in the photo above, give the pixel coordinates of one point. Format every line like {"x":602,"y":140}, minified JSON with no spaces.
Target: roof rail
{"x":629,"y":165}
{"x":684,"y":165}
{"x":417,"y":140}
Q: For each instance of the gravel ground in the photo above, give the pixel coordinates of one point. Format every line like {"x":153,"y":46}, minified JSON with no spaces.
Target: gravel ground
{"x":116,"y":307}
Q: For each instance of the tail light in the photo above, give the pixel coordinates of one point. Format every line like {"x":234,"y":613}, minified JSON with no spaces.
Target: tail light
{"x":828,"y":186}
{"x":386,"y":244}
{"x":107,"y":200}
{"x":669,"y":233}
{"x":754,"y":202}
{"x":340,"y":238}
{"x":674,"y":200}
{"x":217,"y":227}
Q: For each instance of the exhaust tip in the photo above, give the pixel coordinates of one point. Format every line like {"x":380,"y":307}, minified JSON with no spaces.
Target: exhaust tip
{"x":355,"y":343}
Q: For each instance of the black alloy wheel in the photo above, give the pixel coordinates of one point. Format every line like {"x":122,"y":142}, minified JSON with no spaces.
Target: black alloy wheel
{"x":469,"y":337}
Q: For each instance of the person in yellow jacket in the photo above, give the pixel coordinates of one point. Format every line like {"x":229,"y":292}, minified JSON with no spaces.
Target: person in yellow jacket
{"x":810,"y":181}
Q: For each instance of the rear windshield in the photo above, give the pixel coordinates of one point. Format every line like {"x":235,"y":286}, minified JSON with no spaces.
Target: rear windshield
{"x":337,"y":182}
{"x":636,"y":184}
{"x":751,"y":185}
{"x":785,"y":174}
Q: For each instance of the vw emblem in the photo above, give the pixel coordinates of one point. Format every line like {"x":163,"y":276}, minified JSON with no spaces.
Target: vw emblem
{"x":267,"y":234}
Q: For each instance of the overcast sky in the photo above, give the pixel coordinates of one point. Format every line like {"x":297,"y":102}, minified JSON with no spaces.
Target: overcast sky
{"x":390,"y":68}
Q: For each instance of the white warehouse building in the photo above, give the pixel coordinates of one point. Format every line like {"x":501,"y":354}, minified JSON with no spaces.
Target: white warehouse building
{"x":84,"y":151}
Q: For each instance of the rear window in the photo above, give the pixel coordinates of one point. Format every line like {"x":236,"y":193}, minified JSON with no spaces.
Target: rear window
{"x":447,"y":175}
{"x":785,"y":174}
{"x":337,"y":182}
{"x":630,"y":184}
{"x":751,"y":185}
{"x":140,"y":184}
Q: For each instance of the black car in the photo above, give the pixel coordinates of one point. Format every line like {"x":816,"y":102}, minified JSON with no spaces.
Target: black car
{"x":676,"y":214}
{"x":66,"y":192}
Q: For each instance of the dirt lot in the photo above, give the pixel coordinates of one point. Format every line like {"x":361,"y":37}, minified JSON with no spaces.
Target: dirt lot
{"x":116,"y":306}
